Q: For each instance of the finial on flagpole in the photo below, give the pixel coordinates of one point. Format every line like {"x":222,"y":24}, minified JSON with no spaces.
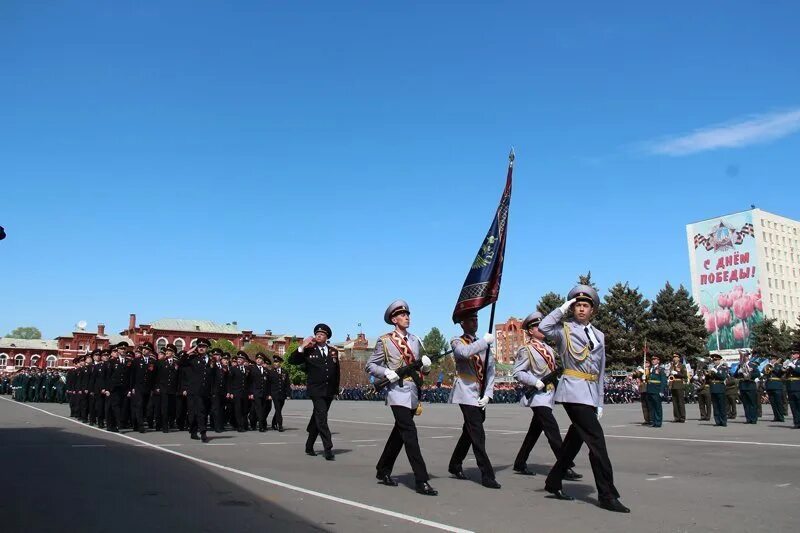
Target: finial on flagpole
{"x":511,"y":156}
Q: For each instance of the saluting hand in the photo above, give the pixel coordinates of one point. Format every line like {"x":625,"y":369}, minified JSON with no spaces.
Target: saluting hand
{"x":308,"y":342}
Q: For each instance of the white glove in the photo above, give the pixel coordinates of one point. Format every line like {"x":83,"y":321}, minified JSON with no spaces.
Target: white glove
{"x":391,"y":375}
{"x":483,"y":401}
{"x":674,"y":372}
{"x":566,"y":305}
{"x":426,"y":363}
{"x":488,"y":337}
{"x":640,"y":370}
{"x":599,"y":413}
{"x":539,"y":384}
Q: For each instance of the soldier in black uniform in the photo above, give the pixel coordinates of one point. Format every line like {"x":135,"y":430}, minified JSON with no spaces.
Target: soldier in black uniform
{"x":321,"y":362}
{"x":98,"y":386}
{"x":238,"y":389}
{"x":166,"y":387}
{"x":83,"y":388}
{"x":201,"y":381}
{"x":182,"y":398}
{"x":119,"y":383}
{"x":220,"y":391}
{"x":142,"y":379}
{"x":280,"y":390}
{"x":260,"y":378}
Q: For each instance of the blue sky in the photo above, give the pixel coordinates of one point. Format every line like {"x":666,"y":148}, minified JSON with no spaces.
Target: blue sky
{"x":281,"y":165}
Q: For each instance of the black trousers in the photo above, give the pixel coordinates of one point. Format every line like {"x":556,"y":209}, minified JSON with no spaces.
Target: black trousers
{"x":731,"y":400}
{"x":748,"y":398}
{"x":198,"y":412}
{"x":167,"y":410}
{"x":240,"y":410}
{"x":472,"y":434}
{"x":262,"y":407}
{"x":679,"y":404}
{"x":704,"y":402}
{"x":90,"y":411}
{"x":403,"y":433}
{"x":277,"y":418}
{"x":318,"y":425}
{"x":776,"y":401}
{"x":585,"y":428}
{"x":720,"y":405}
{"x":99,"y":408}
{"x":139,"y":401}
{"x":181,"y":410}
{"x":541,"y":421}
{"x":218,"y":412}
{"x":794,"y":404}
{"x":117,"y":404}
{"x":83,"y":406}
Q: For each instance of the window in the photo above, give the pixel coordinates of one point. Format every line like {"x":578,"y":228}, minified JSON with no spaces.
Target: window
{"x":767,"y":267}
{"x":160,"y":343}
{"x":19,"y":360}
{"x":80,"y":347}
{"x":281,"y":349}
{"x":35,"y":360}
{"x":193,"y":343}
{"x":179,"y":344}
{"x":51,"y":361}
{"x":3,"y":359}
{"x":67,"y":347}
{"x":769,"y":282}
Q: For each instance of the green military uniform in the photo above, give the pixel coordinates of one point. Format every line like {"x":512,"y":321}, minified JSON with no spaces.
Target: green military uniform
{"x":656,"y":384}
{"x":677,"y":386}
{"x":704,"y":397}
{"x":748,"y":390}
{"x":792,"y":375}
{"x":717,"y":376}
{"x":731,"y":395}
{"x":774,"y":386}
{"x":641,"y":376}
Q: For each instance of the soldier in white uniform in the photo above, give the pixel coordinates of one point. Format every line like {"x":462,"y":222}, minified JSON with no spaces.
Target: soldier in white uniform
{"x":392,"y":352}
{"x":535,"y":367}
{"x":582,"y":349}
{"x":469,"y":353}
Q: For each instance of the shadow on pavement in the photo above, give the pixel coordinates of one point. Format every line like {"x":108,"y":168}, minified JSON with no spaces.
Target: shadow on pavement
{"x":61,"y":481}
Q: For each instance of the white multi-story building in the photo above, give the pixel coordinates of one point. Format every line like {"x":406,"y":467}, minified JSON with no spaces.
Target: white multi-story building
{"x":778,"y":240}
{"x":745,"y":267}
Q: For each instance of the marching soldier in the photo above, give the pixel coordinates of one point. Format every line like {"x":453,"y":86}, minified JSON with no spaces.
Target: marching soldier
{"x":260,"y":391}
{"x":182,"y":416}
{"x":469,"y":353}
{"x":201,"y":377}
{"x":238,"y":389}
{"x":321,"y":361}
{"x":166,"y":387}
{"x":747,"y":372}
{"x":119,"y":385}
{"x":582,"y":349}
{"x":101,"y":375}
{"x":142,"y":379}
{"x":703,"y":394}
{"x":677,"y":384}
{"x":640,"y":375}
{"x":717,"y":373}
{"x":219,"y":391}
{"x":792,"y":373}
{"x":731,"y":395}
{"x":394,"y":351}
{"x":535,"y":362}
{"x":83,"y":388}
{"x":280,"y":390}
{"x":774,"y":386}
{"x":656,"y":384}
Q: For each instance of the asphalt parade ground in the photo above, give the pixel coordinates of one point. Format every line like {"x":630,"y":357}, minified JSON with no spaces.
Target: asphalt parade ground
{"x":62,"y":475}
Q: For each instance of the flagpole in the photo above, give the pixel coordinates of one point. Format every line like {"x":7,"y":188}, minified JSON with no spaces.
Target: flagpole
{"x":485,"y":380}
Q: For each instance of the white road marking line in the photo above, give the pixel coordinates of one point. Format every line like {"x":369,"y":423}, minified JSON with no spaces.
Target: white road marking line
{"x":443,"y":437}
{"x":753,"y":443}
{"x":88,"y":445}
{"x":276,"y":443}
{"x":620,"y":426}
{"x":321,"y":495}
{"x":365,"y":440}
{"x":783,"y":485}
{"x":659,"y":477}
{"x":145,"y":445}
{"x":365,"y":445}
{"x":219,"y":444}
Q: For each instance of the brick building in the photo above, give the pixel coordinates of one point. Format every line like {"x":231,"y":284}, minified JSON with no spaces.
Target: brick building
{"x":509,"y":338}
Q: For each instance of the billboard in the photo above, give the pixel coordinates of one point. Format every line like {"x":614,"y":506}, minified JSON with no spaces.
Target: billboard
{"x":722,"y":255}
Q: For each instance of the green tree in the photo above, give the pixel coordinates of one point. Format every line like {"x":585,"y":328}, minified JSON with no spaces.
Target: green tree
{"x":586,"y":279}
{"x":676,"y":325}
{"x":434,"y":342}
{"x":297,"y":373}
{"x":548,"y":302}
{"x":796,"y":337}
{"x":225,"y":345}
{"x":252,"y":348}
{"x":623,"y":319}
{"x":771,"y":340}
{"x":25,"y":332}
